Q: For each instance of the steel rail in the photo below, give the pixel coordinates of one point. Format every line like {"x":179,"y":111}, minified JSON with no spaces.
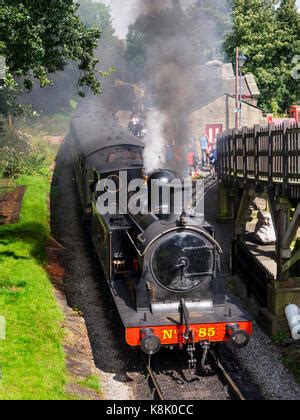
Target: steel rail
{"x":154,"y":380}
{"x":237,"y":394}
{"x":227,"y":378}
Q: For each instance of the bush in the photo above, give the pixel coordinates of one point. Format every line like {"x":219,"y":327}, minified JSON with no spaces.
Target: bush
{"x":23,"y":163}
{"x":18,"y":156}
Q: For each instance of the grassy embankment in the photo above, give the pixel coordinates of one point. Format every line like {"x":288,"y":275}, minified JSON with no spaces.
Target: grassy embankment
{"x":290,"y":353}
{"x":32,"y":359}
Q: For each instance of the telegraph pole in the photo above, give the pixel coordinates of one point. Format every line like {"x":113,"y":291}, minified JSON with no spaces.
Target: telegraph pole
{"x":236,"y":89}
{"x":240,"y":61}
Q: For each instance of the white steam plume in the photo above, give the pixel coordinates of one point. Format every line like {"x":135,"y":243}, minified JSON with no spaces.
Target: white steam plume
{"x":154,"y":153}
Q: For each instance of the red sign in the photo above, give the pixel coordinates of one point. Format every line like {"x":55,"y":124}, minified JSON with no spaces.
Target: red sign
{"x":170,"y":335}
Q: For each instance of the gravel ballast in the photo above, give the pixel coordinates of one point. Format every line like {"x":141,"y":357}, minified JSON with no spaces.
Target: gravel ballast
{"x":85,"y":286}
{"x":261,"y":359}
{"x":86,"y":291}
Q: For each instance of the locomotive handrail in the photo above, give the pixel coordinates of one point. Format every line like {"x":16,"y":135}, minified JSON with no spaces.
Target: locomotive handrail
{"x":175,"y":229}
{"x":261,"y":155}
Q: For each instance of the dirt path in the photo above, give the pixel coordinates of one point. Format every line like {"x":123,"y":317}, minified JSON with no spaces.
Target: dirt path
{"x":10,"y":206}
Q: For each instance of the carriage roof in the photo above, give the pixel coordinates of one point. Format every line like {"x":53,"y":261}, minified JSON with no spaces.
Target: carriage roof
{"x":95,"y":130}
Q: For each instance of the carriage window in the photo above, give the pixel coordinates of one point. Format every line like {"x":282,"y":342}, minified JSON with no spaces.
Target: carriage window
{"x":126,"y":153}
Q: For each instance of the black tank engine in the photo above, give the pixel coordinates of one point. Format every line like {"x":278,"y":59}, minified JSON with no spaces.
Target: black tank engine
{"x":163,"y":270}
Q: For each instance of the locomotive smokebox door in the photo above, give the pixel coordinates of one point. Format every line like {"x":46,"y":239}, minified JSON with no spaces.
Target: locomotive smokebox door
{"x":179,"y":264}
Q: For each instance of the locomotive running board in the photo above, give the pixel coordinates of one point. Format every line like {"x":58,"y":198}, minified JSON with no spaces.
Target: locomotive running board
{"x":173,"y":307}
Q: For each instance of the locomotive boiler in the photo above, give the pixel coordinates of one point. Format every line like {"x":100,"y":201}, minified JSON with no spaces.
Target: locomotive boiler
{"x":163,"y":268}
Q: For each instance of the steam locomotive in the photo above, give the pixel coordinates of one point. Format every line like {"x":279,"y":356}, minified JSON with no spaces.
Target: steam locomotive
{"x":163,"y":270}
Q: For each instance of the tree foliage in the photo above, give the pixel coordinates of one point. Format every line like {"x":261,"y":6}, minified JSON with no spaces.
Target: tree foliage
{"x":208,"y":22}
{"x":136,"y":46}
{"x":197,"y":30}
{"x":39,"y":37}
{"x":110,"y":48}
{"x":267,"y":33}
{"x":96,"y":14}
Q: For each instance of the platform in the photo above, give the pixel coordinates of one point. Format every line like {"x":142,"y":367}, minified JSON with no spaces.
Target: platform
{"x":263,"y":164}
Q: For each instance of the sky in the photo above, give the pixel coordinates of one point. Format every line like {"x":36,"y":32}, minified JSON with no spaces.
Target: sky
{"x":126,"y":11}
{"x":122,"y":20}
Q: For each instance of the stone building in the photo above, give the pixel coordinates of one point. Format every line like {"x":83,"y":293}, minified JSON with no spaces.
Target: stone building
{"x":212,"y":109}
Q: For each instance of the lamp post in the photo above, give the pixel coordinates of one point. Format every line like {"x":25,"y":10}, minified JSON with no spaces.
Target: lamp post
{"x":242,"y":60}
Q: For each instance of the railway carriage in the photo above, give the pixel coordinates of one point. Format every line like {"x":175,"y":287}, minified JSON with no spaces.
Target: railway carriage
{"x":163,"y":270}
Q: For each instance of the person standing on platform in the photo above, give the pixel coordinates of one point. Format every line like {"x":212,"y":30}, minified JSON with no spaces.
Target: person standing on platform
{"x":213,"y":161}
{"x":169,"y":153}
{"x":198,"y":154}
{"x":204,"y":147}
{"x":190,"y":159}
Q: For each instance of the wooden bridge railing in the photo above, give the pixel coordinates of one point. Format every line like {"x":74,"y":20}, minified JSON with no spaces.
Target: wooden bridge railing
{"x":263,"y":155}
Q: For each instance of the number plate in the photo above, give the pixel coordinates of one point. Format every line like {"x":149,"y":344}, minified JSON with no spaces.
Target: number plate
{"x":174,"y":334}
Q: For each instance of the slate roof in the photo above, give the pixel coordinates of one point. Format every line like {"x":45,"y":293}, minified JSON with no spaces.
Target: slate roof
{"x":252,"y":85}
{"x":214,"y":81}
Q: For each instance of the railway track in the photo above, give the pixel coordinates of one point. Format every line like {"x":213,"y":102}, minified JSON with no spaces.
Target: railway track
{"x":152,"y":376}
{"x":225,"y":376}
{"x":221,"y":380}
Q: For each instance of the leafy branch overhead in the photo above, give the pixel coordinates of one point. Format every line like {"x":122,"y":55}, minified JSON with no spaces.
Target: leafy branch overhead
{"x":39,"y":37}
{"x":267,"y":32}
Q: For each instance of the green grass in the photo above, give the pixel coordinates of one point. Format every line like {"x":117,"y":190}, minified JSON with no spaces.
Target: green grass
{"x":292,"y":361}
{"x":31,"y":358}
{"x":92,"y":382}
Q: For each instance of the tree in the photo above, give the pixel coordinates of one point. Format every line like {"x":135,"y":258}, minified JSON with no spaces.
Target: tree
{"x":198,"y":32}
{"x":96,"y":14}
{"x":136,"y":47}
{"x":110,"y":49}
{"x":267,"y":35}
{"x":39,"y":37}
{"x":208,"y":22}
{"x":109,"y":52}
{"x":288,"y":33}
{"x":159,"y":31}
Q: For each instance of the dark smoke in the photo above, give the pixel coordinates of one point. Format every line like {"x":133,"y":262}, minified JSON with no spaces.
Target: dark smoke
{"x":169,"y":59}
{"x":125,"y":12}
{"x":173,"y":52}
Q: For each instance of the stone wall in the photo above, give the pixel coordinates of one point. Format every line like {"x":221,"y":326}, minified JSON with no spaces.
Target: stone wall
{"x":221,"y":111}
